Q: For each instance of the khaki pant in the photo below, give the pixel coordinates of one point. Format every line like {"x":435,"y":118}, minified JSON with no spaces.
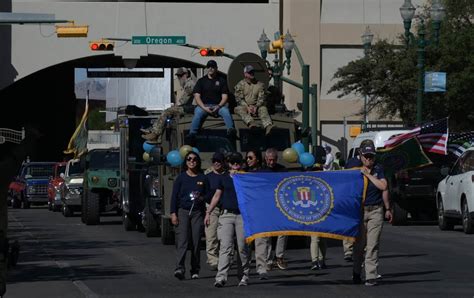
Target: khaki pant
{"x":369,"y":238}
{"x":318,"y":249}
{"x":280,"y":248}
{"x":247,"y":118}
{"x":348,"y":248}
{"x":170,"y":112}
{"x":261,"y":253}
{"x":230,"y":225}
{"x":212,"y":243}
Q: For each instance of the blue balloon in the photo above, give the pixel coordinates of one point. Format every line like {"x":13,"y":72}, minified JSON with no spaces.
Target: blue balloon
{"x":298,"y":147}
{"x":306,"y":159}
{"x":147,"y":147}
{"x":174,"y":158}
{"x":195,"y":150}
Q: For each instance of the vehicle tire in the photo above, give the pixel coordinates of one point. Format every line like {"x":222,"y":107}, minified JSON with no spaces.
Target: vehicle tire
{"x":467,"y":221}
{"x":92,"y":209}
{"x":83,"y":207}
{"x":444,"y":223}
{"x":128,"y":223}
{"x":152,"y":227}
{"x":67,"y":212}
{"x":400,"y":215}
{"x":167,"y":232}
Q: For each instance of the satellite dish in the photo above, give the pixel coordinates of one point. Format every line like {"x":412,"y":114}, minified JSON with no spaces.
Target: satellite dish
{"x":236,"y":69}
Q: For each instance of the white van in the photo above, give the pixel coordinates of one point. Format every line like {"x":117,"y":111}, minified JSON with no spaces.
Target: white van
{"x":378,"y":137}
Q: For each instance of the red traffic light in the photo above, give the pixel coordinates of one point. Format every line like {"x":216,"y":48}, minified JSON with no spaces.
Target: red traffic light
{"x":206,"y":52}
{"x":203,"y":52}
{"x":101,"y":45}
{"x":94,"y":46}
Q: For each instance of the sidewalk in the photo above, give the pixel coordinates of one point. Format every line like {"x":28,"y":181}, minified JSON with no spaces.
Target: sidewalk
{"x":37,"y":274}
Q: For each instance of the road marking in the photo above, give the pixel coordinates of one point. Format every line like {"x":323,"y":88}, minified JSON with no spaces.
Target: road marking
{"x":85,"y":289}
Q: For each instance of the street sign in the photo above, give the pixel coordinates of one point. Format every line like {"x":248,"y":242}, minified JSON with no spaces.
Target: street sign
{"x":158,"y":40}
{"x":435,"y":81}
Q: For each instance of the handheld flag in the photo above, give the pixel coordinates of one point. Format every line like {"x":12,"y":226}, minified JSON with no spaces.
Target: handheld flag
{"x":326,"y":204}
{"x":78,"y":142}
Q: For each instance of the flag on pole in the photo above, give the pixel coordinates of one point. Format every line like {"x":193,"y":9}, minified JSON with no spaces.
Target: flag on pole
{"x":459,"y":142}
{"x":433,"y":136}
{"x":326,"y":204}
{"x":405,"y":156}
{"x":78,"y":142}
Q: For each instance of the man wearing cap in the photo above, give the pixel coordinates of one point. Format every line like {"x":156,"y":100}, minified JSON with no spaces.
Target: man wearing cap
{"x":250,"y":97}
{"x":187,"y":82}
{"x":211,"y":94}
{"x":214,"y":176}
{"x":372,"y":218}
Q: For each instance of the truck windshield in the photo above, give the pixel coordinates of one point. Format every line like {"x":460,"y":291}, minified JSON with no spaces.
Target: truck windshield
{"x":104,"y":160}
{"x":75,"y":169}
{"x":279,"y":139}
{"x":213,"y":140}
{"x":61,"y":170}
{"x":40,"y":171}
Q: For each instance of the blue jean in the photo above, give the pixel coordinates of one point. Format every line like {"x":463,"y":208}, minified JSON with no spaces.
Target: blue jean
{"x":200,"y":115}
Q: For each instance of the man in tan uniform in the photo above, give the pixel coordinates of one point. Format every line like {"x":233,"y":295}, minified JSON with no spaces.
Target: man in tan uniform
{"x":187,"y":82}
{"x":250,"y":97}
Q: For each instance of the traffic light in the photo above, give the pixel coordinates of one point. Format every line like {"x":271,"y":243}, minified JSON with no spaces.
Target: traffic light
{"x":72,"y":30}
{"x":101,"y":45}
{"x":207,"y":52}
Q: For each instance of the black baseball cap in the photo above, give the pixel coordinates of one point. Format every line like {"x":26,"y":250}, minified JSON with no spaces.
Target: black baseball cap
{"x":211,"y":63}
{"x":367,"y":149}
{"x":218,"y":156}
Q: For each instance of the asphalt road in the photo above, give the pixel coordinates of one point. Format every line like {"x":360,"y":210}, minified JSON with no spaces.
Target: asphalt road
{"x":61,"y":257}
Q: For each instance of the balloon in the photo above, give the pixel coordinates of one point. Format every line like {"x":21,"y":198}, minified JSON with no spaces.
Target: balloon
{"x":174,"y":158}
{"x":147,"y":147}
{"x":146,"y":156}
{"x":290,"y":155}
{"x":195,"y":150}
{"x":306,"y":159}
{"x":184,"y":150}
{"x":299,"y":147}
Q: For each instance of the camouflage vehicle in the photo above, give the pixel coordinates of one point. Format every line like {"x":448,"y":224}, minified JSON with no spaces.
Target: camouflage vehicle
{"x":147,"y":185}
{"x":101,"y":184}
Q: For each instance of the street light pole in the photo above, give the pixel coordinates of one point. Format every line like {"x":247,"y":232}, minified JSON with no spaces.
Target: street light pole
{"x":421,"y":72}
{"x":367,"y":38}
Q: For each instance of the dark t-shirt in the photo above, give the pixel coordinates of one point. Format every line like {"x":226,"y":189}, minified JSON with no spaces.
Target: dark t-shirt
{"x":374,"y":195}
{"x":229,"y":197}
{"x":353,"y":162}
{"x":183,"y":186}
{"x":214,"y":182}
{"x":211,"y":90}
{"x":277,"y":168}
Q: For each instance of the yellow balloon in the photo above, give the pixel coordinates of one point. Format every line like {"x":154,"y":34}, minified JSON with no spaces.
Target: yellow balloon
{"x":184,"y":150}
{"x":146,"y":156}
{"x":290,"y":155}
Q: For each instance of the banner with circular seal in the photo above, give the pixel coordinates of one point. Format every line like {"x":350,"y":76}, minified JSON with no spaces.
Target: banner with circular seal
{"x":304,"y":199}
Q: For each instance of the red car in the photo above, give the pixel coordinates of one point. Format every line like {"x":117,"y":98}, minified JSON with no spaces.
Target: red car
{"x":54,"y":186}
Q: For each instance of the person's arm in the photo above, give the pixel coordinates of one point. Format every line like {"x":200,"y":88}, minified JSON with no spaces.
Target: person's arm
{"x":174,"y":201}
{"x":187,"y":93}
{"x":379,"y":183}
{"x":224,"y":99}
{"x":239,"y":95}
{"x":224,"y":94}
{"x":212,"y":205}
{"x":261,"y":97}
{"x":197,"y":98}
{"x":386,"y":202}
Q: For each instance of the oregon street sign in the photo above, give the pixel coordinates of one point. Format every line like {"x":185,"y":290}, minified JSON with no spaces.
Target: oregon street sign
{"x":158,"y":40}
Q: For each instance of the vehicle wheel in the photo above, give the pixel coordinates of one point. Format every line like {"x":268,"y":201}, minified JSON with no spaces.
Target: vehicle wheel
{"x":467,"y":222}
{"x":152,"y":227}
{"x":83,"y":207}
{"x":399,"y":215}
{"x":167,"y":232}
{"x":443,"y":222}
{"x":127,"y":222}
{"x":67,"y":212}
{"x":92,"y":209}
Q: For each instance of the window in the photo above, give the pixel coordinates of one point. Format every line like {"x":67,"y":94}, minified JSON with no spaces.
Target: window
{"x":104,"y":160}
{"x":212,"y":140}
{"x":467,"y":163}
{"x":40,"y":171}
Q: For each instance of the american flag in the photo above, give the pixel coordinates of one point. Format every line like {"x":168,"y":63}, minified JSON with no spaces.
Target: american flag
{"x":459,"y":142}
{"x":433,"y":136}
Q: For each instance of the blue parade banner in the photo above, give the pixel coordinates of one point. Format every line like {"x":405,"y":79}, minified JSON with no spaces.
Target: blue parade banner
{"x":435,"y":81}
{"x":325,"y":204}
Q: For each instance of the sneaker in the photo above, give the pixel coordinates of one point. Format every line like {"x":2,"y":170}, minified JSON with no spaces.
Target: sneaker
{"x":348,"y":258}
{"x":263,"y":276}
{"x":315,"y":265}
{"x":268,"y":129}
{"x":269,"y":266}
{"x":179,"y":274}
{"x":243,"y":282}
{"x":146,"y":130}
{"x":322,"y":265}
{"x":219,"y":283}
{"x":281,"y":263}
{"x":150,"y":136}
{"x":356,"y":278}
{"x":195,"y":276}
{"x":378,"y":276}
{"x":371,"y":282}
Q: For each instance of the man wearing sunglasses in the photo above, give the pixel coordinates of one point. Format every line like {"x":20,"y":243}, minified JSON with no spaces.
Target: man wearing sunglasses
{"x":211,"y":94}
{"x":187,"y":80}
{"x":372,"y":218}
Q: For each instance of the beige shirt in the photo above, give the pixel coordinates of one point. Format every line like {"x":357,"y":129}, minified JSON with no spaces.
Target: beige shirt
{"x":187,"y":92}
{"x":249,"y":93}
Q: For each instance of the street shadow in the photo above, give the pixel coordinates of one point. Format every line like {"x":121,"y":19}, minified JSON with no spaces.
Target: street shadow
{"x":403,"y":274}
{"x":402,"y":256}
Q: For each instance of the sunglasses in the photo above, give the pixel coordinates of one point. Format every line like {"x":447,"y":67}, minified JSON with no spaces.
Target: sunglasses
{"x":250,"y":158}
{"x":234,"y":162}
{"x":191,"y":159}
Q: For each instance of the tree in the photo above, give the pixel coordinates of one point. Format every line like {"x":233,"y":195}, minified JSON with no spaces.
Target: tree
{"x":388,"y":74}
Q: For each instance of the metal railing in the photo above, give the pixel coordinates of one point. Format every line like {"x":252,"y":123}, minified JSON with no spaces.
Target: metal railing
{"x":11,"y":135}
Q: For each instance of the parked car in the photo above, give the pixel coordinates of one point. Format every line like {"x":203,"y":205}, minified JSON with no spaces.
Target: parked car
{"x":30,"y":186}
{"x":72,"y":189}
{"x":54,"y":186}
{"x":455,"y":195}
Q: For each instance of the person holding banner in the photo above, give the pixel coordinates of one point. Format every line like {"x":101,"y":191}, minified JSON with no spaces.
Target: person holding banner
{"x":230,"y":225}
{"x":190,"y":189}
{"x":372,"y":218}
